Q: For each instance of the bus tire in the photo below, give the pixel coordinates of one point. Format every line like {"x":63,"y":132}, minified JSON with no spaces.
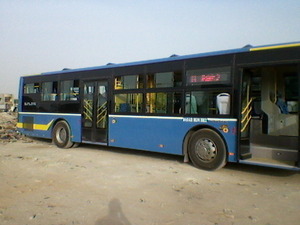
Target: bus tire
{"x":61,"y":135}
{"x":207,"y":150}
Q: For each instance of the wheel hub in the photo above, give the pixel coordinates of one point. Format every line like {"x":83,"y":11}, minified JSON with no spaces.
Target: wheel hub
{"x":61,"y":135}
{"x":206,"y":150}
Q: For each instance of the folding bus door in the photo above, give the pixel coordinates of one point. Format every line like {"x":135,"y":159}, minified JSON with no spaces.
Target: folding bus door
{"x":94,"y":112}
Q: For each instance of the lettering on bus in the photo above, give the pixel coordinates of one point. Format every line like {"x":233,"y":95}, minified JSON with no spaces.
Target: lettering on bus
{"x":206,"y":78}
{"x":209,"y":76}
{"x":195,"y":120}
{"x":29,"y":103}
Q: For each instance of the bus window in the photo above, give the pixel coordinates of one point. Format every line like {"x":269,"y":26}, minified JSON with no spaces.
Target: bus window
{"x":167,"y":79}
{"x":131,"y":102}
{"x":69,"y":90}
{"x":32,"y":88}
{"x":129,"y":82}
{"x":205,"y":103}
{"x":49,"y":91}
{"x":163,"y":103}
{"x":291,"y":93}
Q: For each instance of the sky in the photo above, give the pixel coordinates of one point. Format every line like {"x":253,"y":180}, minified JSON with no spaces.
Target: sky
{"x":48,"y":35}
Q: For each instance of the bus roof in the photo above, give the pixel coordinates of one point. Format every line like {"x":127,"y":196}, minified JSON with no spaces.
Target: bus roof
{"x":247,"y":48}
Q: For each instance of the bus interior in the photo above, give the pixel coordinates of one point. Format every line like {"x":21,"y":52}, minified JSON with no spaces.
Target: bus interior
{"x":270,"y":115}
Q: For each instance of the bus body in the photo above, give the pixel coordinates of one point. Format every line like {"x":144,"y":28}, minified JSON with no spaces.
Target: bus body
{"x":239,"y":105}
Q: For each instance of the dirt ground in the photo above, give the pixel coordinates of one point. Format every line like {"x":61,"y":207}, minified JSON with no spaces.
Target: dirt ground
{"x":94,"y":185}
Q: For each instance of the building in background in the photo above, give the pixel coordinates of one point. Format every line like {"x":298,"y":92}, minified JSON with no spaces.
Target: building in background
{"x":7,"y":102}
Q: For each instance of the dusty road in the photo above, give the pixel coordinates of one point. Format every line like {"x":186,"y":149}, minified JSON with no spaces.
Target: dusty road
{"x":92,"y":185}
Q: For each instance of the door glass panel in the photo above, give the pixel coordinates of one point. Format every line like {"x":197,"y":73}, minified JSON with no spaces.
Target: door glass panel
{"x":88,"y":104}
{"x":102,"y":105}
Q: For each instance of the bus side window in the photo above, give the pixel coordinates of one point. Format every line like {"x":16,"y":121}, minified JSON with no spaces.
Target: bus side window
{"x":190,"y":104}
{"x":206,"y":103}
{"x":165,"y":79}
{"x":161,"y":102}
{"x":32,"y":88}
{"x":49,"y":91}
{"x":129,"y":82}
{"x":131,"y":102}
{"x":291,"y":92}
{"x":69,"y":90}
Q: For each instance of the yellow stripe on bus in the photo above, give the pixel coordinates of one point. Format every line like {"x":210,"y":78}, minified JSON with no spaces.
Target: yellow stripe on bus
{"x":275,"y":47}
{"x":43,"y":127}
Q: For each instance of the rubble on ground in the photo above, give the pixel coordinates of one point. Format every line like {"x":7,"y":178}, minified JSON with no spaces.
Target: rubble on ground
{"x":8,"y":128}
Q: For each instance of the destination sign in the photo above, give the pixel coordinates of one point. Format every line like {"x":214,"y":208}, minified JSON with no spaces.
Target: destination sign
{"x":201,"y":77}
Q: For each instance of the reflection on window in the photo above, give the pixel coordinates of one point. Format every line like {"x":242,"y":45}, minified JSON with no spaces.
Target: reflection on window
{"x":163,"y":103}
{"x":32,"y":88}
{"x":167,"y":79}
{"x":69,"y":90}
{"x":129,"y":82}
{"x":131,"y":102}
{"x":207,"y":103}
{"x":49,"y":91}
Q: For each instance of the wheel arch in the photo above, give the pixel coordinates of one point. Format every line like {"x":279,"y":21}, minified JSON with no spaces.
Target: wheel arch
{"x":59,"y":120}
{"x":74,"y":124}
{"x":189,"y":134}
{"x":64,"y":141}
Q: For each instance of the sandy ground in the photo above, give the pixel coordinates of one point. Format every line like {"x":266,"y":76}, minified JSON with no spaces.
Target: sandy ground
{"x":92,"y":185}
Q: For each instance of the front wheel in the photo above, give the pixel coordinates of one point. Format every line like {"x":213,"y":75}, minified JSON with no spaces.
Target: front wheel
{"x":61,"y":135}
{"x":207,"y":150}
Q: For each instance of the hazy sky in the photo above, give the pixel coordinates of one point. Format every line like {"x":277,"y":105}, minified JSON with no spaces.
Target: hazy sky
{"x":48,"y":35}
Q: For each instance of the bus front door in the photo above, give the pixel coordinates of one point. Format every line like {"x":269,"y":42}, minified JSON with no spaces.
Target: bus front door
{"x":94,"y":112}
{"x":270,"y":115}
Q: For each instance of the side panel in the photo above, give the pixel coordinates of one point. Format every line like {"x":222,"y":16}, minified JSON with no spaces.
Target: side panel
{"x":21,"y":85}
{"x":166,"y":134}
{"x":41,"y":124}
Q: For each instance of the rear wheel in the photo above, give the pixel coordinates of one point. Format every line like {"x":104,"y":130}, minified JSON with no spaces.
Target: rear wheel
{"x":207,"y":150}
{"x":61,"y":135}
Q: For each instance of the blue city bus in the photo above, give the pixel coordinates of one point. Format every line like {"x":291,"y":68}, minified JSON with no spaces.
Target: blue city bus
{"x":239,"y":105}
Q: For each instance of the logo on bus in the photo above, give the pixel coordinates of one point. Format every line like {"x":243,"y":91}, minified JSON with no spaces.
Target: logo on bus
{"x":29,"y":103}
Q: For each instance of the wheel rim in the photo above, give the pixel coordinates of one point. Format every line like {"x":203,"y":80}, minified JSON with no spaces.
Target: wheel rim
{"x":61,"y":135}
{"x":206,"y":150}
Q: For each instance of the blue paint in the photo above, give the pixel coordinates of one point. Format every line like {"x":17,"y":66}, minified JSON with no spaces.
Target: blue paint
{"x":165,"y":134}
{"x":74,"y":121}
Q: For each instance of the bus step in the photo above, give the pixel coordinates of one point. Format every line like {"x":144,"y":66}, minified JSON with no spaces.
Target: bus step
{"x":246,"y":156}
{"x":245,"y":151}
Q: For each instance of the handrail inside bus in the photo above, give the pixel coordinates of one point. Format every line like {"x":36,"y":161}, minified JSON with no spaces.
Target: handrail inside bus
{"x":246,"y":113}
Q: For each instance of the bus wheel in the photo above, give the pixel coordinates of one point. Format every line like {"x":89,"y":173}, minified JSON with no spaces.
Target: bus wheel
{"x":61,"y":135}
{"x":207,"y":150}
